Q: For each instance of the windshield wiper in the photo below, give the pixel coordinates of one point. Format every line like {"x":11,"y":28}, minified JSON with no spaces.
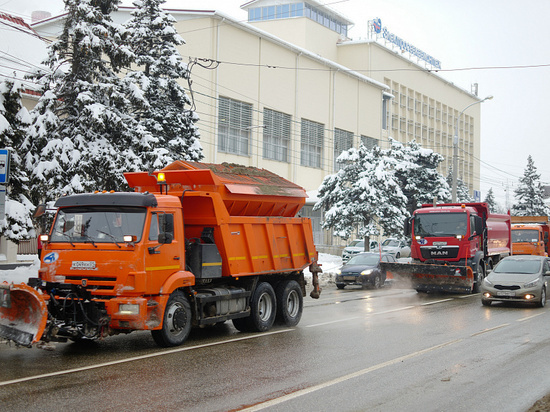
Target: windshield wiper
{"x":111,"y":236}
{"x":87,"y":237}
{"x":67,"y":236}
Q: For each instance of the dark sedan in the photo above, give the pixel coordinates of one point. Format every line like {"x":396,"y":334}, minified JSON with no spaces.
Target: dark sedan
{"x":363,"y":270}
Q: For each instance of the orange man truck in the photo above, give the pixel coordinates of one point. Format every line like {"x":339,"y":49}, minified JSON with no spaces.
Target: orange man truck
{"x":530,"y":235}
{"x":195,"y":244}
{"x":452,"y":246}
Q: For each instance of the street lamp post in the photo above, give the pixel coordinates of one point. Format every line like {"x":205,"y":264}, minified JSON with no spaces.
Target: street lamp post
{"x":455,"y":147}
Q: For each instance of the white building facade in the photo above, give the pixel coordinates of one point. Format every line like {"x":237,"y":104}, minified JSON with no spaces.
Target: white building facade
{"x":288,"y":90}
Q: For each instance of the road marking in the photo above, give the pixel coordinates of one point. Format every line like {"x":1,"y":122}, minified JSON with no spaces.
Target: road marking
{"x":393,"y":310}
{"x":436,"y":301}
{"x":529,"y":317}
{"x":490,"y":329}
{"x":333,"y":321}
{"x":135,"y":358}
{"x":344,"y":378}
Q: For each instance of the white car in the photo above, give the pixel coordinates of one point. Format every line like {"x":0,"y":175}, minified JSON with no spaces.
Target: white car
{"x":396,"y":247}
{"x":357,"y":246}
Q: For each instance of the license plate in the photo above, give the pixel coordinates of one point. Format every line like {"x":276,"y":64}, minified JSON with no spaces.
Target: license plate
{"x":508,"y":293}
{"x":5,"y":298}
{"x":352,"y":278}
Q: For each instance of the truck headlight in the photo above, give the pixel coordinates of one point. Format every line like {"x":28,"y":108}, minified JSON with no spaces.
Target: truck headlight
{"x":366,"y":272}
{"x":128,"y":309}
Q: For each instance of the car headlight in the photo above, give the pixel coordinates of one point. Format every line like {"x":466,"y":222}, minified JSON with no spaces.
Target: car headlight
{"x":338,"y":272}
{"x":487,"y":282}
{"x":366,"y":272}
{"x":531,"y":284}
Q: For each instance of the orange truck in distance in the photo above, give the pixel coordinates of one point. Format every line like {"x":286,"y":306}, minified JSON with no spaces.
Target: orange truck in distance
{"x":530,"y":235}
{"x":195,"y":244}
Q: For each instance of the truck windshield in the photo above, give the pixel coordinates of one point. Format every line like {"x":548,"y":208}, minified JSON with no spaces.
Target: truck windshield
{"x":98,"y":224}
{"x":524,"y":235}
{"x":440,"y":224}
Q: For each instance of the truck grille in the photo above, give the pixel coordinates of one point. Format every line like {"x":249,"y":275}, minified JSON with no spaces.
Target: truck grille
{"x":446,"y":252}
{"x":93,"y":283}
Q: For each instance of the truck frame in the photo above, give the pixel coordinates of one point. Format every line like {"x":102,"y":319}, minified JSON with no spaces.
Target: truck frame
{"x":452,"y":246}
{"x":195,"y":244}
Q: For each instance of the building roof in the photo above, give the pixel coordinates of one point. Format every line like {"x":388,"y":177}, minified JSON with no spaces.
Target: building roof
{"x":314,"y":3}
{"x":22,"y":50}
{"x":45,"y":25}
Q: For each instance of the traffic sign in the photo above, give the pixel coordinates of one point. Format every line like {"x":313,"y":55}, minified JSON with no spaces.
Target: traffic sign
{"x":4,"y":166}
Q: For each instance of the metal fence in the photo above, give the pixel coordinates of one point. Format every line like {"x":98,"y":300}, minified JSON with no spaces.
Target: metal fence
{"x":28,"y":247}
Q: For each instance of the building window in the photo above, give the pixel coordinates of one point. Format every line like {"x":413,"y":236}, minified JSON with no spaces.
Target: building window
{"x":312,"y":136}
{"x":234,"y":122}
{"x":276,"y":135}
{"x":369,"y":142}
{"x":343,"y":140}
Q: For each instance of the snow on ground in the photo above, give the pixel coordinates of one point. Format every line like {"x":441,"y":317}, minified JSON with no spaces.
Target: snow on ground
{"x":329,"y":264}
{"x":22,"y":273}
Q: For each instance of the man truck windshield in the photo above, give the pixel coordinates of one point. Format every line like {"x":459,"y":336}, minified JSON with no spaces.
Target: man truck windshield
{"x":98,"y":224}
{"x":440,"y":224}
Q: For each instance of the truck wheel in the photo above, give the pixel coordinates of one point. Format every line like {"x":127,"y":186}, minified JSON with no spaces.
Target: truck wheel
{"x":263,"y":308}
{"x":290,"y":302}
{"x":480,"y":275}
{"x":176,"y":324}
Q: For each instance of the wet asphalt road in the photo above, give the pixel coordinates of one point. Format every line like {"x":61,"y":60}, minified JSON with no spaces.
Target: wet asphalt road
{"x":354,"y":350}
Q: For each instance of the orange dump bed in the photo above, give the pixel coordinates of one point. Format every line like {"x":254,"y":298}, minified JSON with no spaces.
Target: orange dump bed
{"x":245,"y":191}
{"x":250,"y":210}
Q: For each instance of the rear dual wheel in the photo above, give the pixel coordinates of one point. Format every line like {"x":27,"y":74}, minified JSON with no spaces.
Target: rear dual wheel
{"x":263,"y":309}
{"x":290,"y":302}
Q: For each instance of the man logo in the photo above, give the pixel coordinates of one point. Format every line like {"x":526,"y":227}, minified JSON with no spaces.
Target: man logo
{"x":50,"y":257}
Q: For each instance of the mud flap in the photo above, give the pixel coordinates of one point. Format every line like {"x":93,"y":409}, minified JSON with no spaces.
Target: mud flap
{"x":23,"y":314}
{"x":439,"y":278}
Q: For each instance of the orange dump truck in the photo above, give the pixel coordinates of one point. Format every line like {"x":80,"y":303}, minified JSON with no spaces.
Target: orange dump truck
{"x":195,"y":244}
{"x":530,"y":235}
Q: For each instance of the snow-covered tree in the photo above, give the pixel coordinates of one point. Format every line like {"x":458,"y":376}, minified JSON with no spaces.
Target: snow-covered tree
{"x":416,"y":170}
{"x":82,"y":129}
{"x":529,"y":194}
{"x":491,"y":201}
{"x":364,"y":193}
{"x":159,"y":100}
{"x":14,"y":119}
{"x":462,"y":192}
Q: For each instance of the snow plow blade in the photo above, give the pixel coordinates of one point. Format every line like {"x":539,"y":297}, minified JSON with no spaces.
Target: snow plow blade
{"x":23,"y":314}
{"x":436,"y":278}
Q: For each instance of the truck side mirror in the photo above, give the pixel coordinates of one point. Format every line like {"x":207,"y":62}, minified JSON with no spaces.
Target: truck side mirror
{"x":478,"y":225}
{"x":407,"y":227}
{"x":166,"y":228}
{"x":41,"y":209}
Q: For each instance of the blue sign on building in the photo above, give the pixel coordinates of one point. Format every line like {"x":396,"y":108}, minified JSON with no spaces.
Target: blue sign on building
{"x":477,"y":195}
{"x":4,"y":166}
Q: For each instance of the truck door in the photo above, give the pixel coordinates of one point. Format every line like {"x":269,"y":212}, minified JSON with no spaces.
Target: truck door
{"x":164,"y":250}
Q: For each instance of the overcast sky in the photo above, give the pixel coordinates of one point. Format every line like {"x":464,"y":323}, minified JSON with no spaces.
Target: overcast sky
{"x":488,"y":42}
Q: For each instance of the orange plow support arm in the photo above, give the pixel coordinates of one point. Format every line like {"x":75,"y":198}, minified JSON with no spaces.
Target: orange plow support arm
{"x":23,"y":313}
